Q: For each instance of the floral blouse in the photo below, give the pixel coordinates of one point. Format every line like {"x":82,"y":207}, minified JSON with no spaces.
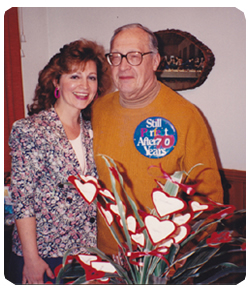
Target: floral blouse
{"x":42,"y":160}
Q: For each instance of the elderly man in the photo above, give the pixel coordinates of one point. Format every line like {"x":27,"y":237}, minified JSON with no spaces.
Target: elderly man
{"x":146,"y":123}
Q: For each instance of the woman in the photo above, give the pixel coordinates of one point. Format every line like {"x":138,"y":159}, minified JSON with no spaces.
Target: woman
{"x":47,"y":147}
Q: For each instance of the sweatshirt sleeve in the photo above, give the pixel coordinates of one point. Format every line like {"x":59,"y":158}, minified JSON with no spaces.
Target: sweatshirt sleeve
{"x":199,"y":149}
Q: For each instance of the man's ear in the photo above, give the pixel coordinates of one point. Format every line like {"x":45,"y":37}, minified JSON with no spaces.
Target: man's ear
{"x":156,"y":60}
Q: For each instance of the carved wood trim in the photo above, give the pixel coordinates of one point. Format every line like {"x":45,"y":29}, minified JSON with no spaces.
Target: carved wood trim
{"x":209,"y":58}
{"x":234,"y":185}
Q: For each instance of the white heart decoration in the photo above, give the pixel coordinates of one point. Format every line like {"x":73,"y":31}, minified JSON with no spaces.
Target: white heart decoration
{"x":131,"y":222}
{"x":103,"y":267}
{"x":196,"y":206}
{"x":158,"y":230}
{"x":167,"y":243}
{"x":89,"y":178}
{"x":87,"y":259}
{"x":87,"y":190}
{"x":138,"y":238}
{"x":165,"y":204}
{"x":106,"y":193}
{"x":182,"y":233}
{"x":114,"y":208}
{"x":164,"y":247}
{"x":181,"y":219}
{"x":106,"y":213}
{"x":163,"y":250}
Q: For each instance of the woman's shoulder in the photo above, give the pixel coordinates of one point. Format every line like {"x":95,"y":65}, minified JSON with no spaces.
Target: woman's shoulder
{"x":33,"y":128}
{"x":39,"y":119}
{"x":23,"y":125}
{"x":30,"y":125}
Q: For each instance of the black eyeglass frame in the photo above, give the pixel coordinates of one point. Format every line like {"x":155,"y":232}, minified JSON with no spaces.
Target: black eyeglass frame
{"x":125,"y":56}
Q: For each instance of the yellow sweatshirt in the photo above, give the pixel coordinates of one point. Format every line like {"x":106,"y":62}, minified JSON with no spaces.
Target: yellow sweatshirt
{"x":170,"y":131}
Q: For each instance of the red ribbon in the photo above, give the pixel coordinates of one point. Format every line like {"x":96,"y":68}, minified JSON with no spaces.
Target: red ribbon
{"x":189,"y":190}
{"x":227,"y":212}
{"x":138,"y":254}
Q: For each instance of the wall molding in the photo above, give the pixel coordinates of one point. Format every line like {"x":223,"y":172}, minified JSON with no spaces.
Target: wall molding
{"x":234,"y":185}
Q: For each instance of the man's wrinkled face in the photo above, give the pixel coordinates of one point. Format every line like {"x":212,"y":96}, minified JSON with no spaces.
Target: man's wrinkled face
{"x":130,"y":80}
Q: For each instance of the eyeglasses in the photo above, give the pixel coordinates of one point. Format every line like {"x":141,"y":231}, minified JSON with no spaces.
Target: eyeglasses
{"x":133,"y":58}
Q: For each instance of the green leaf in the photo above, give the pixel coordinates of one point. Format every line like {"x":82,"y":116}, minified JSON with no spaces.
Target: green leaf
{"x":182,"y":278}
{"x":63,"y":272}
{"x":74,"y":271}
{"x":209,"y":268}
{"x":155,"y":280}
{"x":201,"y":256}
{"x":201,"y":227}
{"x":66,"y":254}
{"x":172,"y":188}
{"x":233,"y":250}
{"x":191,"y":169}
{"x":132,"y":204}
{"x":134,"y":208}
{"x":118,"y":200}
{"x":134,"y":271}
{"x":174,"y":248}
{"x":224,"y":272}
{"x":155,"y":267}
{"x":196,"y":259}
{"x":123,"y":273}
{"x":80,"y":280}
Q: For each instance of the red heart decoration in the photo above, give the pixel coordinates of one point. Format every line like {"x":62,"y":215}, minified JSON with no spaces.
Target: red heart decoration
{"x":158,"y":230}
{"x":131,"y":223}
{"x":87,"y":190}
{"x":180,"y":219}
{"x":164,"y":247}
{"x":86,"y":258}
{"x":115,"y":210}
{"x":181,"y":233}
{"x":196,"y":206}
{"x":106,"y":214}
{"x":138,"y":238}
{"x":105,"y":267}
{"x":165,"y":204}
{"x":106,"y":193}
{"x":89,"y":178}
{"x":91,"y":273}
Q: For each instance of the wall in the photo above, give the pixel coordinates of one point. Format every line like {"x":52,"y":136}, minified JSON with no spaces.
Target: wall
{"x":222,"y":98}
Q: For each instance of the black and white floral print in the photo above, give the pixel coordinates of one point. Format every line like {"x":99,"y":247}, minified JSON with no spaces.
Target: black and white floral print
{"x":42,"y":160}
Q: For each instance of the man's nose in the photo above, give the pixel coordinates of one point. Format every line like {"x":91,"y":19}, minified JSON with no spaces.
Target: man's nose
{"x":124,"y":64}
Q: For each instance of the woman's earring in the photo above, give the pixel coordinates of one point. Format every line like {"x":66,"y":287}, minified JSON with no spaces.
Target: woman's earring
{"x":57,"y":93}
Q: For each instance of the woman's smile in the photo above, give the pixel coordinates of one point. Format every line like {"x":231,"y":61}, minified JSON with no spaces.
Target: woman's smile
{"x":79,"y":87}
{"x":81,"y":96}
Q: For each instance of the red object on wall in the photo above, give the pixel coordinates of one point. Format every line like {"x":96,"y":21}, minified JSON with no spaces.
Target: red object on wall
{"x":13,"y":87}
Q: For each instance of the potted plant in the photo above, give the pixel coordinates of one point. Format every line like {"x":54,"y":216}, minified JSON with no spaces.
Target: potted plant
{"x":180,"y":241}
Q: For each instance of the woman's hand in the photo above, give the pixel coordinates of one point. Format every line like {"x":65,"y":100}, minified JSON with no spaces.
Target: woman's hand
{"x":34,"y":269}
{"x":34,"y":266}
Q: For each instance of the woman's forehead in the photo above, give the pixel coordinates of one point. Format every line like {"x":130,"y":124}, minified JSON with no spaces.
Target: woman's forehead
{"x":80,"y":66}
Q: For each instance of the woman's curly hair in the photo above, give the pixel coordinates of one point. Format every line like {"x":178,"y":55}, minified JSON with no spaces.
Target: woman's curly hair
{"x":77,"y":53}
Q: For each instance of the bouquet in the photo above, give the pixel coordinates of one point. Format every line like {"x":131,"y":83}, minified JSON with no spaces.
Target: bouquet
{"x":180,"y":241}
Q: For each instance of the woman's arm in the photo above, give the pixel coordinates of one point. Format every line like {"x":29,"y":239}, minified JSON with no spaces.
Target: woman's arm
{"x":34,"y":265}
